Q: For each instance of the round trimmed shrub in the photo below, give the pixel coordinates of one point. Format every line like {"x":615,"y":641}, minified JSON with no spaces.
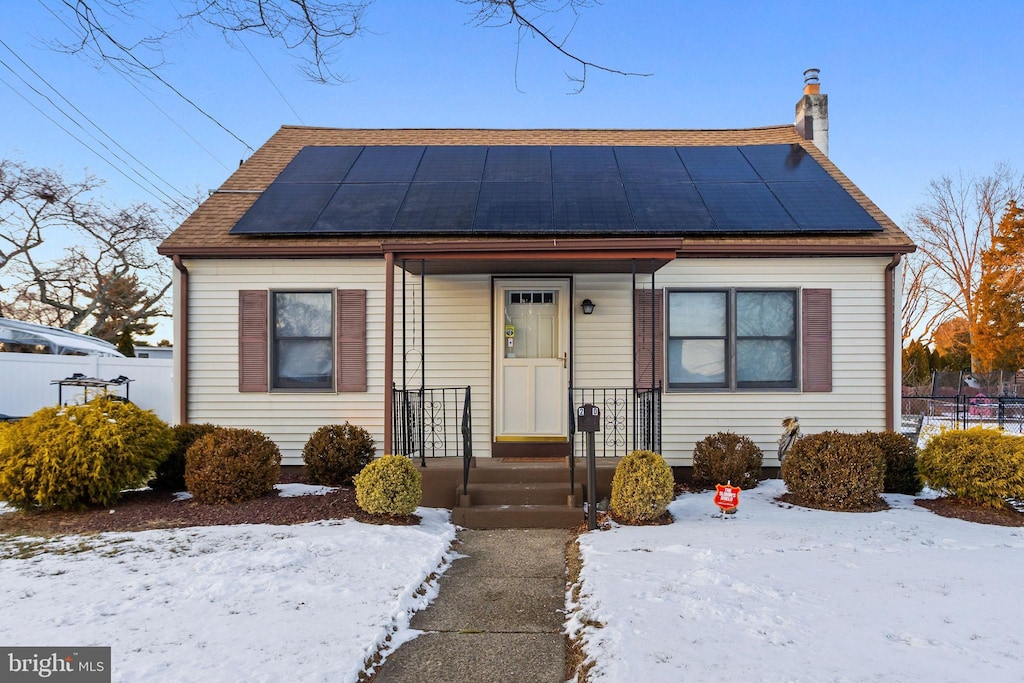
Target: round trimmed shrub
{"x":900,"y":455}
{"x":170,"y":474}
{"x":231,"y":465}
{"x":979,"y":464}
{"x":336,"y":453}
{"x":642,"y":487}
{"x":835,"y":471}
{"x":68,"y":457}
{"x":726,"y":457}
{"x":390,"y":485}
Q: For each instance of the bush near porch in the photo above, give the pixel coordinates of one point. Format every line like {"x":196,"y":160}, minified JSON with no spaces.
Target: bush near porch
{"x":979,"y":464}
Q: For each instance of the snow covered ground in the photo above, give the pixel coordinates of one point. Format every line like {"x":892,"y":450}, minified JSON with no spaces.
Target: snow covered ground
{"x":222,"y":604}
{"x":780,"y":593}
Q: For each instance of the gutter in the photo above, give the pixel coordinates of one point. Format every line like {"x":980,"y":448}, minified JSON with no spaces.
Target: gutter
{"x":182,"y":341}
{"x":890,"y":343}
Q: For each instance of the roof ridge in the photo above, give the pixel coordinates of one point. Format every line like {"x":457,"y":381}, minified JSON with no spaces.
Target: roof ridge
{"x":776,"y":127}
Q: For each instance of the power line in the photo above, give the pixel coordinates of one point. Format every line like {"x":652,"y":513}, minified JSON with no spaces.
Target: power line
{"x":271,"y":80}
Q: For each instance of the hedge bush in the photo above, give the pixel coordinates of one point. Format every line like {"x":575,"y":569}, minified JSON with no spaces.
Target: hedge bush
{"x":73,"y":456}
{"x":390,"y":485}
{"x":642,"y":487}
{"x":900,"y":454}
{"x":336,"y":453}
{"x":979,"y":464}
{"x":170,"y":474}
{"x":724,"y":457}
{"x":231,"y":465}
{"x":835,"y":471}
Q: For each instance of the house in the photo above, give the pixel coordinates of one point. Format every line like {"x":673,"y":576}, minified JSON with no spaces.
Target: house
{"x":440,"y":285}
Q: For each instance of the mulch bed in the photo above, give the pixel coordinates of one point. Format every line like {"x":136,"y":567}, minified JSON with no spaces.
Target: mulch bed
{"x":970,"y":511}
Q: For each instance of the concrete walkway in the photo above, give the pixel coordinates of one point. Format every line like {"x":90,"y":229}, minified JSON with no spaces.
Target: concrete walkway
{"x":498,"y":616}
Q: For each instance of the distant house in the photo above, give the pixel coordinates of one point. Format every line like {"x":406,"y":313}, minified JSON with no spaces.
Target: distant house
{"x":683,"y":281}
{"x":154,"y":352}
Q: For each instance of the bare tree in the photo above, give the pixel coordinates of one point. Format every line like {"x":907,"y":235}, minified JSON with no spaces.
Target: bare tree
{"x":921,"y":313}
{"x":952,"y":228}
{"x":69,"y":261}
{"x":314,"y":28}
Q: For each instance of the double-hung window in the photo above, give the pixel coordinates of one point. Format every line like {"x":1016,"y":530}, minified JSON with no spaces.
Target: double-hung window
{"x":732,"y":339}
{"x":303,"y":344}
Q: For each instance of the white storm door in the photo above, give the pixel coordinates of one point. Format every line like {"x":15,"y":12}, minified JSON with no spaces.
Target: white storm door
{"x":531,"y":358}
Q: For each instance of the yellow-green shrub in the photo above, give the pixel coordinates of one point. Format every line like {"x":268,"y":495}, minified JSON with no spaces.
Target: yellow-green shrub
{"x":231,"y":465}
{"x":390,"y":485}
{"x":73,"y":456}
{"x":979,"y":464}
{"x":835,"y":471}
{"x":726,"y":457}
{"x":336,"y":453}
{"x":642,"y":487}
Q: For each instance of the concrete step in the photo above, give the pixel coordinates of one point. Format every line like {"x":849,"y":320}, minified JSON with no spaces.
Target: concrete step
{"x":517,"y":516}
{"x":520,"y":474}
{"x":528,"y":493}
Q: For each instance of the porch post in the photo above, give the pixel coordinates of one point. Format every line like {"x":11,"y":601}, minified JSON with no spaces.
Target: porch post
{"x":389,"y":348}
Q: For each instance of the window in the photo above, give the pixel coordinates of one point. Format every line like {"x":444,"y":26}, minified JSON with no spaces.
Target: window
{"x":732,"y":339}
{"x":303,"y":343}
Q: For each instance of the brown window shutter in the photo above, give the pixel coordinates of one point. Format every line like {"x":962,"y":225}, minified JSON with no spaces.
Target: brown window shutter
{"x":351,"y":336}
{"x":252,"y":340}
{"x":817,"y":339}
{"x":642,"y":338}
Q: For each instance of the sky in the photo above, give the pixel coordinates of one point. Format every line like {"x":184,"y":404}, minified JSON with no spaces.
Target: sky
{"x":772,"y":593}
{"x":916,"y":90}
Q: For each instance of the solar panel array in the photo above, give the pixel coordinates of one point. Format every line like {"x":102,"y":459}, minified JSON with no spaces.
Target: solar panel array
{"x":558,"y":190}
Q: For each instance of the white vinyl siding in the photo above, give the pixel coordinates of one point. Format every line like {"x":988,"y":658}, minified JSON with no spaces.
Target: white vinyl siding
{"x":857,"y":400}
{"x":603,"y":341}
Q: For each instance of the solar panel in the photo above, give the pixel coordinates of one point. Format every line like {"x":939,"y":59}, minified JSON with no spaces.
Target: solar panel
{"x":592,"y":208}
{"x":659,"y":165}
{"x":522,"y":208}
{"x":823,"y":206}
{"x":319,"y":165}
{"x":385,"y":165}
{"x":745,"y":207}
{"x":285,"y":208}
{"x":775,"y":163}
{"x":438,"y":208}
{"x":717,"y":164}
{"x":355,"y":208}
{"x":451,"y":164}
{"x":518,"y":164}
{"x":583,"y":164}
{"x":668,"y":208}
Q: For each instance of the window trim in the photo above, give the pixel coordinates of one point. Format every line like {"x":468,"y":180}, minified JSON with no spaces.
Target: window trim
{"x":732,"y":383}
{"x":273,"y":339}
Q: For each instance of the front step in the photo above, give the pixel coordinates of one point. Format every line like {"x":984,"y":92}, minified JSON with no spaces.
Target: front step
{"x":517,"y":516}
{"x":530,"y":493}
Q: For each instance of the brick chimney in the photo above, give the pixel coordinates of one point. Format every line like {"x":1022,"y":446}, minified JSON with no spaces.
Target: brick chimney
{"x":812,"y":112}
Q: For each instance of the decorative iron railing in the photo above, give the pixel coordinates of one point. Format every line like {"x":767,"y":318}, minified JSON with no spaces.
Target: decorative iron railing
{"x":630,"y":420}
{"x":963,"y":412}
{"x":432,"y":423}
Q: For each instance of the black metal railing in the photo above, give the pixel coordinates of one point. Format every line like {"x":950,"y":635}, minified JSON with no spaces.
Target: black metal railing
{"x":432,"y":423}
{"x":963,"y":412}
{"x":467,"y":441}
{"x":630,"y":420}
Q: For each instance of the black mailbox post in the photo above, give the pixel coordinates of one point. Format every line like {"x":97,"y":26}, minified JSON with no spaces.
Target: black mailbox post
{"x":588,"y":421}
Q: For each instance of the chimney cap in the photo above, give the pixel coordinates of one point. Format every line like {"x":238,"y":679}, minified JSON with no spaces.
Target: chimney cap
{"x":811,"y":76}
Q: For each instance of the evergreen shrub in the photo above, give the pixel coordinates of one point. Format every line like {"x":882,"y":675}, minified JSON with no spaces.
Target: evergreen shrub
{"x":69,"y":457}
{"x":170,"y":474}
{"x":231,"y":465}
{"x":979,"y":464}
{"x":835,"y":471}
{"x":900,"y":455}
{"x":724,"y":457}
{"x":336,"y":453}
{"x":642,"y":487}
{"x":390,"y":485}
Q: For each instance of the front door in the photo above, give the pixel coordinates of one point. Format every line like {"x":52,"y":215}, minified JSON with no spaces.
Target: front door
{"x":531,"y":360}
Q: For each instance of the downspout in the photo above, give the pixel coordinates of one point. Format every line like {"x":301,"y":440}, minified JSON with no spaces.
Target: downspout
{"x":389,"y":347}
{"x":890,"y":343}
{"x":181,"y":353}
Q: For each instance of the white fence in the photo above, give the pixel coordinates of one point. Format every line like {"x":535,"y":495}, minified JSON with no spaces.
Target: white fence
{"x":25,"y":381}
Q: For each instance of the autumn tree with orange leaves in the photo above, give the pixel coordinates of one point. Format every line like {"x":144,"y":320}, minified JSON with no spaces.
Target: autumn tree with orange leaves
{"x":998,"y":340}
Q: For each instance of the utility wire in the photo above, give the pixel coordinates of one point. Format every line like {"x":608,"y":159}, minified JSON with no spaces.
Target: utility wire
{"x":271,"y":80}
{"x":94,"y":124}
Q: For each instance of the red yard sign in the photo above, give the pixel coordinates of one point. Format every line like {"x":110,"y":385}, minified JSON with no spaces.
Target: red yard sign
{"x":727,"y":497}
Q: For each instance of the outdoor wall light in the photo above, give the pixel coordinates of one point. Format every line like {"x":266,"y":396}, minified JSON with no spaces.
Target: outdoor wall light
{"x":588,"y":306}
